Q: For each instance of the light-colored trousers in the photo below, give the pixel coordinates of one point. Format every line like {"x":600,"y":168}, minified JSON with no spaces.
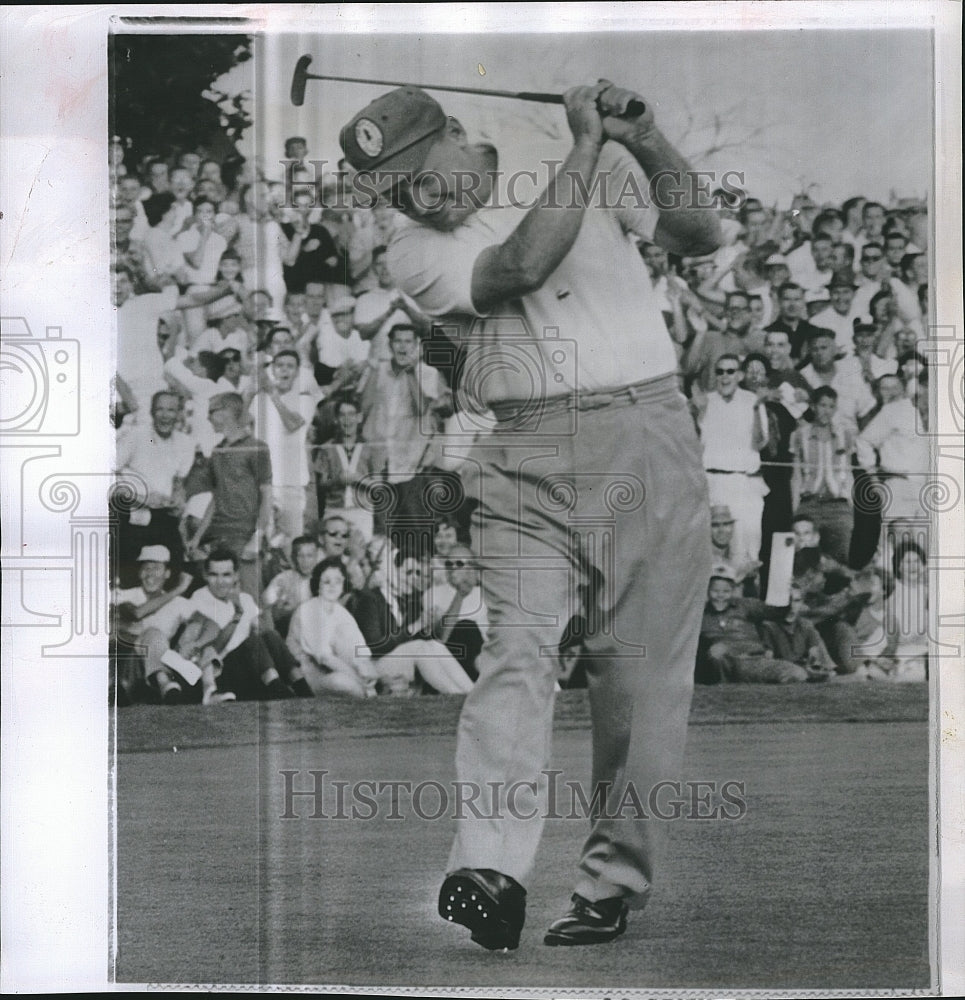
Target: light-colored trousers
{"x":610,"y":511}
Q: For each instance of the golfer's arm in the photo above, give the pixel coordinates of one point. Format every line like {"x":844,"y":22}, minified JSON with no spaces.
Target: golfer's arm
{"x":544,"y":237}
{"x":687,"y":229}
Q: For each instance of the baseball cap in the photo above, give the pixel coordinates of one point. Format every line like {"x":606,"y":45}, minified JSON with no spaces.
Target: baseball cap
{"x":841,"y":279}
{"x":720,"y":514}
{"x":155,"y":553}
{"x":392,"y":135}
{"x":817,"y":295}
{"x":721,"y":571}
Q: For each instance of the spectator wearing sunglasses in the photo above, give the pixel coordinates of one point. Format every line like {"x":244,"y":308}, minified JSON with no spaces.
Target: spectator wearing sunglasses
{"x":460,"y":620}
{"x":733,"y":428}
{"x":737,"y":338}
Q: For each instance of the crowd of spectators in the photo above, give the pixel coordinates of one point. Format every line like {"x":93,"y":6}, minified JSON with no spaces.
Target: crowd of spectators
{"x":272,"y":383}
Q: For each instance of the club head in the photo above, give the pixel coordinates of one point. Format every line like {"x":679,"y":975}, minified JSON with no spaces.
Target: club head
{"x":299,"y":79}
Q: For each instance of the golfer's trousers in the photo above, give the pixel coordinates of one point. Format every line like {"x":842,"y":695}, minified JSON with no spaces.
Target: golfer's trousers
{"x":600,"y":512}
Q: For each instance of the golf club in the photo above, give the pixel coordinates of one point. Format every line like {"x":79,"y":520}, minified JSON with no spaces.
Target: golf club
{"x":301,"y":76}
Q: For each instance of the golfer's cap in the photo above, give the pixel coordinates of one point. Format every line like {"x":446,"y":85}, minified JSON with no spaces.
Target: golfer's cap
{"x":776,"y":260}
{"x":721,"y":571}
{"x":341,"y":304}
{"x":720,"y":514}
{"x":155,"y":553}
{"x":224,"y":307}
{"x":390,"y":137}
{"x":817,"y":295}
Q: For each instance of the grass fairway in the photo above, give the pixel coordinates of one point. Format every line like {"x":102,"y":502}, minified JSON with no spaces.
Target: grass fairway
{"x":823,"y":884}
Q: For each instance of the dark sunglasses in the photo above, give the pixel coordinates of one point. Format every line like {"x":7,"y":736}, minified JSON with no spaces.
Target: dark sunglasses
{"x":726,"y":371}
{"x":455,"y":564}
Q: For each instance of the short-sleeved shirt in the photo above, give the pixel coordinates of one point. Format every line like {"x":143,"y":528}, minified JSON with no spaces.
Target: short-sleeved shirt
{"x":289,"y":449}
{"x":594,"y":324}
{"x":221,"y":613}
{"x":237,"y":471}
{"x":166,"y":619}
{"x":157,"y":460}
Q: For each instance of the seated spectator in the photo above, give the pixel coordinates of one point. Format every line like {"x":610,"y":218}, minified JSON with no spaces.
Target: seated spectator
{"x":402,"y":645}
{"x":248,"y":658}
{"x":292,"y":587}
{"x":326,"y":639}
{"x":730,"y":648}
{"x":858,"y":637}
{"x":793,"y":639}
{"x":822,"y":481}
{"x":459,"y":614}
{"x":144,"y":620}
{"x":905,"y":657}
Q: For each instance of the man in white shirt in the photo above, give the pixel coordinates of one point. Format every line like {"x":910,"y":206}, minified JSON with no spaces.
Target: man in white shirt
{"x":282,"y":416}
{"x":558,"y":300}
{"x":248,"y":656}
{"x":733,"y":429}
{"x":460,"y":620}
{"x":811,"y":264}
{"x":156,"y":457}
{"x":845,"y":376}
{"x":840,"y":314}
{"x":893,"y":446}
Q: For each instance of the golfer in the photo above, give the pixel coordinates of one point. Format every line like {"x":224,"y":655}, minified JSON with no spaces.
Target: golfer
{"x":592,"y":496}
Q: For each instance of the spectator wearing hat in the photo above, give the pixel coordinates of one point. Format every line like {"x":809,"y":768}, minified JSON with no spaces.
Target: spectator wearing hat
{"x":722,"y":545}
{"x":733,"y":429}
{"x":791,"y":318}
{"x":281,"y":415}
{"x":144,"y":619}
{"x":844,"y":375}
{"x":399,"y":401}
{"x":840,"y":314}
{"x":730,"y":648}
{"x":816,"y":299}
{"x":822,"y":479}
{"x":238,"y":475}
{"x":225,"y":327}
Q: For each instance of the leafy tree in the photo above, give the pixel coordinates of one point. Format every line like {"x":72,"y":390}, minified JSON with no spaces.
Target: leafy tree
{"x":162,"y":98}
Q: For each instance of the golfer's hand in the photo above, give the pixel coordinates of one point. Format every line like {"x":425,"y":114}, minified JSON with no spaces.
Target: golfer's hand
{"x":613,"y":103}
{"x":582,"y":112}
